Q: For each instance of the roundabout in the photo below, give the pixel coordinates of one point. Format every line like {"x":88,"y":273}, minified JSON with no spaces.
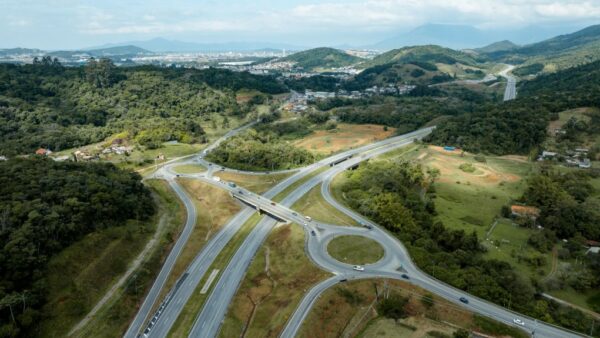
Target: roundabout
{"x":356,"y":250}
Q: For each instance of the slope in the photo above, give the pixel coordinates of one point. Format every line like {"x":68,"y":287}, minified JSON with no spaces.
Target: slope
{"x":322,"y":57}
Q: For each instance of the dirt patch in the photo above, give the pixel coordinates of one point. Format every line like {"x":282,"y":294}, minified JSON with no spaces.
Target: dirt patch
{"x":449,"y":162}
{"x":345,"y":136}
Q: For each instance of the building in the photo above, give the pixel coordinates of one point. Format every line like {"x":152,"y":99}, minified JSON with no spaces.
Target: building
{"x":43,"y":152}
{"x":525,"y":211}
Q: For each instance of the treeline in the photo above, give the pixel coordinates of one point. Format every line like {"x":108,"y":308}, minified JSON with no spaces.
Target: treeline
{"x":399,"y":196}
{"x":47,"y":105}
{"x":406,"y":113}
{"x":44,"y":207}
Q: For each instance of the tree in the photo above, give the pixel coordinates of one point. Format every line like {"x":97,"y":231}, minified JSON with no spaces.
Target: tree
{"x":393,"y":306}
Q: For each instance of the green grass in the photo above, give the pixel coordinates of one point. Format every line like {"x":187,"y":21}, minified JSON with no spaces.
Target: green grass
{"x":192,"y":308}
{"x":355,"y":250}
{"x":256,"y":183}
{"x":575,"y":297}
{"x":314,"y":205}
{"x":279,"y":197}
{"x":189,"y":169}
{"x":508,"y":242}
{"x":87,"y":269}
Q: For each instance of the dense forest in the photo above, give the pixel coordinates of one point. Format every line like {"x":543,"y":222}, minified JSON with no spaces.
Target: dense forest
{"x":261,"y":150}
{"x":399,"y":196}
{"x":48,"y":105}
{"x":44,"y":207}
{"x":520,"y":125}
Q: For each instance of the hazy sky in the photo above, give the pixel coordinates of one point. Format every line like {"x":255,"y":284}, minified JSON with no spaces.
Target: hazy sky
{"x":54,"y":24}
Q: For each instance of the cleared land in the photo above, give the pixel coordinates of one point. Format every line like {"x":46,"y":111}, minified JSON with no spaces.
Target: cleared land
{"x":314,"y":205}
{"x":255,"y":183}
{"x":344,"y":137}
{"x":81,"y":274}
{"x":189,"y":169}
{"x":350,"y":309}
{"x":273,"y":286}
{"x":355,"y":250}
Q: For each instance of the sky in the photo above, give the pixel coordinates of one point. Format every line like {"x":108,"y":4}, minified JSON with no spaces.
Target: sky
{"x":70,"y":24}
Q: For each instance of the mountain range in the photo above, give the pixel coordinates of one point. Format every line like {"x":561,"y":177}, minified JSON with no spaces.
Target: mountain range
{"x":162,"y":45}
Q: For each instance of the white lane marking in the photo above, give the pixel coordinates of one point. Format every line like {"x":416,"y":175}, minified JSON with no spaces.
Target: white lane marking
{"x":209,"y":281}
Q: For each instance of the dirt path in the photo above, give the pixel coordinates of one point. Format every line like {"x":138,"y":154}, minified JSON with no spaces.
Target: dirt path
{"x":554,"y":267}
{"x":134,"y":266}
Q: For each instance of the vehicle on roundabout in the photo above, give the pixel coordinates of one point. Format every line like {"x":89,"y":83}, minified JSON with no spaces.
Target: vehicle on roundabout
{"x":518,"y":322}
{"x":358,"y":268}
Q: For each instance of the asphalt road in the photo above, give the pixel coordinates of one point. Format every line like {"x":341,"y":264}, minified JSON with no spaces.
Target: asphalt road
{"x":162,"y":322}
{"x":395,"y":262}
{"x":510,"y":93}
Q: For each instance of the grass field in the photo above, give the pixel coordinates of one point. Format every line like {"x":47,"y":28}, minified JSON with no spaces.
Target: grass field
{"x":255,"y":183}
{"x":508,"y":242}
{"x":81,"y":274}
{"x":355,"y":250}
{"x":189,"y":169}
{"x":344,"y":137}
{"x":186,"y":318}
{"x":314,"y":205}
{"x":472,"y":200}
{"x":273,"y":286}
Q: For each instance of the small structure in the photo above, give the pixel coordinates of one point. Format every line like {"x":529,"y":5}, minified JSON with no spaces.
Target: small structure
{"x":3,"y":158}
{"x":43,"y":152}
{"x":525,"y":211}
{"x":117,"y":141}
{"x":449,"y":148}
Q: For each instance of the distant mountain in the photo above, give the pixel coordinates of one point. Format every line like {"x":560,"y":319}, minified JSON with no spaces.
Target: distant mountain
{"x":500,"y":46}
{"x":561,"y":43}
{"x":161,"y":45}
{"x":119,"y":50}
{"x":463,"y":36}
{"x":20,"y":51}
{"x":323,"y":57}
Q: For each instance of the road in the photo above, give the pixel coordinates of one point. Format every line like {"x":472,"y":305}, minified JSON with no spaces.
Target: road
{"x":395,"y":262}
{"x":204,"y":259}
{"x":510,"y":93}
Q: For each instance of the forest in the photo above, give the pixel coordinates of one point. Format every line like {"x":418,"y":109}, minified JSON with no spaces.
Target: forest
{"x":399,"y":196}
{"x":47,"y":105}
{"x":44,"y":207}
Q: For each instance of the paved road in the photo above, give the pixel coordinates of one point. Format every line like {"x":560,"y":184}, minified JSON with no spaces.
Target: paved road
{"x":149,"y":301}
{"x":510,"y":93}
{"x":143,"y":314}
{"x":209,"y":321}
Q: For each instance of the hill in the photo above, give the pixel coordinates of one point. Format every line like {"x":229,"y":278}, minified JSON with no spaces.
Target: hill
{"x":428,"y":53}
{"x":499,"y":46}
{"x":553,"y":54}
{"x":322,"y":57}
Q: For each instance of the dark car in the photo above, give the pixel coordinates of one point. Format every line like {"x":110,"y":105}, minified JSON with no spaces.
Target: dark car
{"x":405,"y":276}
{"x":272,"y":203}
{"x":312,"y":232}
{"x":177,"y":175}
{"x":343,"y":280}
{"x":464,"y":300}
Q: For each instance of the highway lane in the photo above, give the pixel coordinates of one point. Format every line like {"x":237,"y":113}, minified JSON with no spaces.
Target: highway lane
{"x":144,"y":311}
{"x":510,"y":93}
{"x":142,"y":316}
{"x":210,"y":318}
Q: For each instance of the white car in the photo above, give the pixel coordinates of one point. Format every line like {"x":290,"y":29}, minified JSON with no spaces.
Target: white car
{"x":358,"y":268}
{"x":518,"y":322}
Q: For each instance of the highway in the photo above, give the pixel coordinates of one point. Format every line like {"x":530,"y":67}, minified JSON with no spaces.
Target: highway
{"x":395,"y":262}
{"x":510,"y":93}
{"x":161,"y":323}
